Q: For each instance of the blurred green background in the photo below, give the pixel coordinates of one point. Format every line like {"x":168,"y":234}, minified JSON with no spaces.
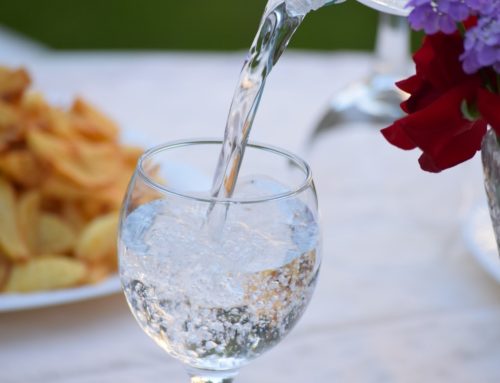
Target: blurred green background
{"x":179,"y":25}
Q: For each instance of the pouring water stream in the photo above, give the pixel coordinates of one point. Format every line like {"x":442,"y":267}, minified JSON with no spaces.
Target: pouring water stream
{"x":280,"y":21}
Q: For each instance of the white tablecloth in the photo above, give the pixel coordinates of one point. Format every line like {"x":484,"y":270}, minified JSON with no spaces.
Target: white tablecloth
{"x":399,"y":299}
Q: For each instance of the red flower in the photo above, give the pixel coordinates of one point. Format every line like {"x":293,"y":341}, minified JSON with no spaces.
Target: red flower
{"x":489,"y":105}
{"x":435,"y":123}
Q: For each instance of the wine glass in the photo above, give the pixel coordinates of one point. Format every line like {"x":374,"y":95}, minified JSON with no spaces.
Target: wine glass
{"x":374,"y":98}
{"x":217,"y":282}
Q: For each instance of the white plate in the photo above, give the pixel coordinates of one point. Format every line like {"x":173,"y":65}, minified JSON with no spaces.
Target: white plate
{"x":178,"y":175}
{"x":14,"y":302}
{"x":480,"y":239}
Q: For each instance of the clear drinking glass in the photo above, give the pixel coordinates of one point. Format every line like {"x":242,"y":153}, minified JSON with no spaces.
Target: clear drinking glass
{"x":217,"y":282}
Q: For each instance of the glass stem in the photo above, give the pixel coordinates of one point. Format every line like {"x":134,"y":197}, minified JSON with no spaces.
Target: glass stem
{"x":204,"y":379}
{"x":392,"y":45}
{"x":204,"y":376}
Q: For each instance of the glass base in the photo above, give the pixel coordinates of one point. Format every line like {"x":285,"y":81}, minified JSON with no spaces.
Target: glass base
{"x":209,"y":376}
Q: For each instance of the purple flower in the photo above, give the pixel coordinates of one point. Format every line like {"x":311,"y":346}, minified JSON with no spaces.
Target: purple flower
{"x":482,"y":45}
{"x":438,"y":15}
{"x":484,"y":7}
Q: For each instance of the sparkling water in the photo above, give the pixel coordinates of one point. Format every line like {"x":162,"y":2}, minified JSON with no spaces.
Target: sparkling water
{"x":218,"y":303}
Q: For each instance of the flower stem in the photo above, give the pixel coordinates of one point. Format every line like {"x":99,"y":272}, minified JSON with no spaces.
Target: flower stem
{"x":461,"y":29}
{"x":487,"y":80}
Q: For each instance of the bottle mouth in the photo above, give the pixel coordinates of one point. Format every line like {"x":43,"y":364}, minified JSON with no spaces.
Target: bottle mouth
{"x":148,"y":158}
{"x":393,"y":7}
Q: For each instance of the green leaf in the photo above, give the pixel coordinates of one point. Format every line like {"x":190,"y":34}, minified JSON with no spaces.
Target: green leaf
{"x":469,"y":111}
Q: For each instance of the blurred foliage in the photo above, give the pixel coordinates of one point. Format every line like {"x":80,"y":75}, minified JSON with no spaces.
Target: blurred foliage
{"x":179,"y":25}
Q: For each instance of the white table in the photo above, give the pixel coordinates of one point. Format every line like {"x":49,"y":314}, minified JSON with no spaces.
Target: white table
{"x":399,"y":299}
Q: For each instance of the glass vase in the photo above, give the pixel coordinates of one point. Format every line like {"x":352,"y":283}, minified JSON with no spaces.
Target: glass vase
{"x":490,"y":153}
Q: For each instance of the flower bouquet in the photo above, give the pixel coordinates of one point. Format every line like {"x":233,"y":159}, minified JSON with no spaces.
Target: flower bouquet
{"x":454,"y":94}
{"x":454,"y":106}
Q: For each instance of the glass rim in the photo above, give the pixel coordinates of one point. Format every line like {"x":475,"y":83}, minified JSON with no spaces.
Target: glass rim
{"x":164,"y":189}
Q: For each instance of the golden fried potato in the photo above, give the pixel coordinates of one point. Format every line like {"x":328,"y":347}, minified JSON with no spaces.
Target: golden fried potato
{"x":112,"y":196}
{"x":11,"y":240}
{"x":22,"y":167}
{"x":63,"y":176}
{"x":11,"y":125}
{"x":92,"y":208}
{"x":4,"y":272}
{"x":73,"y":215}
{"x":28,"y":211}
{"x":92,"y":123}
{"x":36,"y":109}
{"x":46,"y":273}
{"x":88,"y":165}
{"x":97,"y":272}
{"x":131,"y":155}
{"x":92,"y":201}
{"x":58,"y":187}
{"x":60,"y":124}
{"x":98,"y":239}
{"x":13,"y":82}
{"x":54,"y":235}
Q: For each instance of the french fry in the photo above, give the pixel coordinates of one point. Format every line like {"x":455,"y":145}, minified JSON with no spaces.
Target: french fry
{"x":73,"y":215}
{"x":35,"y":108}
{"x":11,"y":240}
{"x":91,"y":208}
{"x":98,"y":239}
{"x":46,"y":273}
{"x":113,"y":194}
{"x":22,"y":167}
{"x":28,"y":210}
{"x":4,"y":272}
{"x":131,"y":155}
{"x":97,"y":272}
{"x":13,"y":83}
{"x":63,"y":176}
{"x":92,"y":123}
{"x":112,"y":262}
{"x":11,"y":125}
{"x":57,"y":187}
{"x":60,"y":124}
{"x":88,"y":165}
{"x":54,"y":235}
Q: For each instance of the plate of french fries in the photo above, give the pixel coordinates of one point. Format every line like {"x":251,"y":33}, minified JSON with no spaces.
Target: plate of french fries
{"x":63,"y":175}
